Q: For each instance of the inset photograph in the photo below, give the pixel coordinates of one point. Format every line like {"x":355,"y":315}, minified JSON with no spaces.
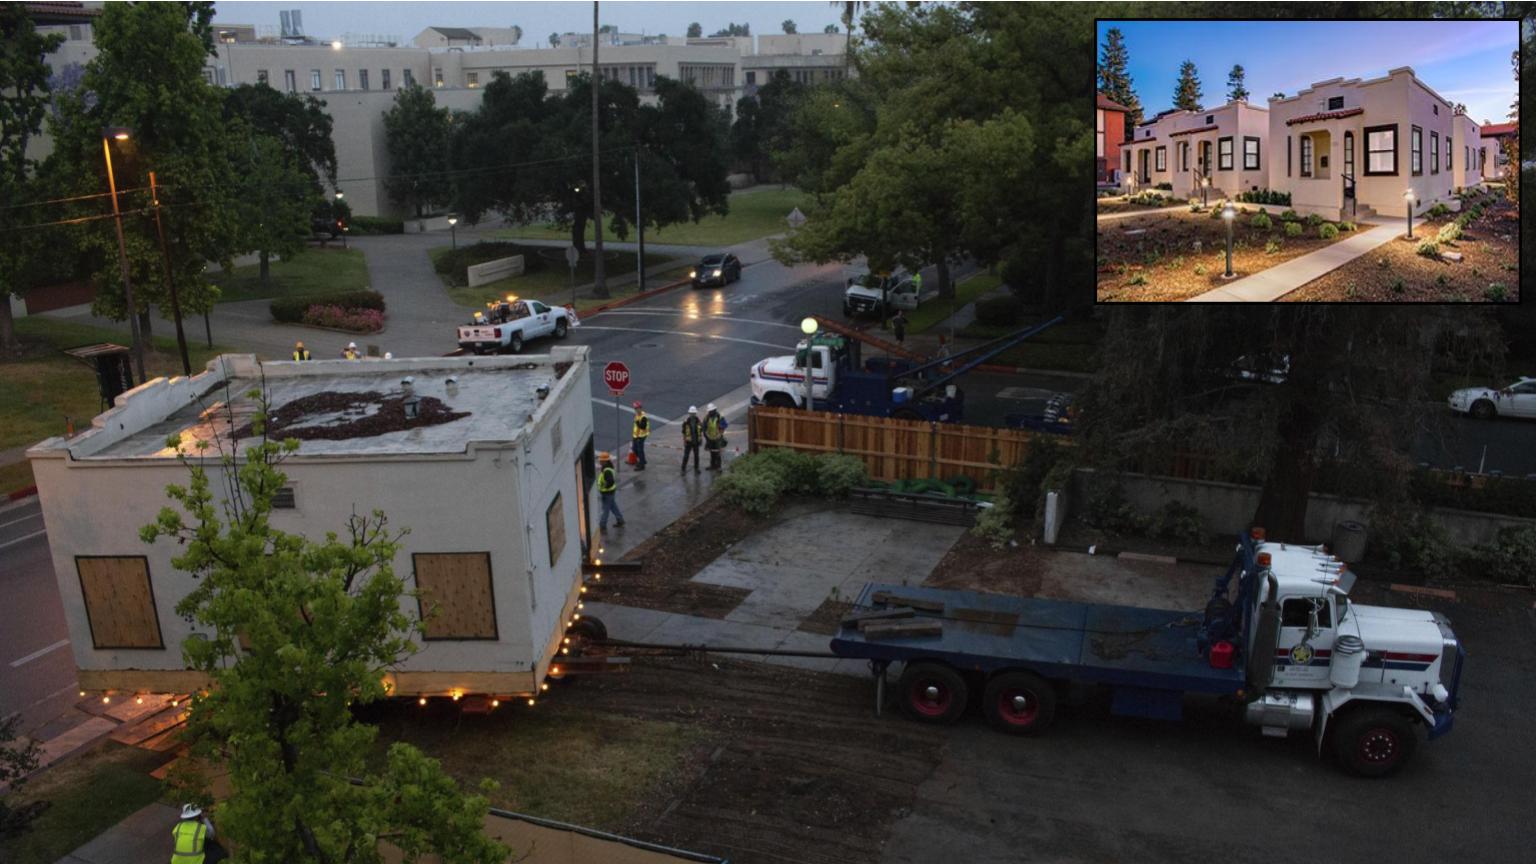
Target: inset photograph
{"x":1308,"y":161}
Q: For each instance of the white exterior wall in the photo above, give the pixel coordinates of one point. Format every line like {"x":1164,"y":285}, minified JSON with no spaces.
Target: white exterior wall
{"x":1236,"y":120}
{"x":1491,"y":148}
{"x":491,"y":498}
{"x":1467,"y":141}
{"x":1432,"y":114}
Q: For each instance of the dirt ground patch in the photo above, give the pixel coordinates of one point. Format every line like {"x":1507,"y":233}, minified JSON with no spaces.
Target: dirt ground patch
{"x":1161,"y":265}
{"x":972,"y":564}
{"x":827,"y":617}
{"x":1396,"y":273}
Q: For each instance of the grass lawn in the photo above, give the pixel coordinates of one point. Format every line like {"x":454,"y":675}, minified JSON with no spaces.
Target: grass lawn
{"x":931,"y":313}
{"x":43,"y":387}
{"x":1068,"y":347}
{"x":753,"y":214}
{"x":89,"y":794}
{"x":313,"y":271}
{"x":556,"y":760}
{"x":552,"y":285}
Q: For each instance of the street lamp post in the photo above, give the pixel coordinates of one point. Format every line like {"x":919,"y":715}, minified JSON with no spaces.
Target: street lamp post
{"x":808,"y":327}
{"x":1408,"y":197}
{"x":1228,"y":213}
{"x":108,"y":135}
{"x":453,"y":232}
{"x":343,"y":226}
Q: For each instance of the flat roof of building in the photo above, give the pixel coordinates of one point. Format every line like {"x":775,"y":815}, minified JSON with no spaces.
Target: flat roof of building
{"x":335,"y":407}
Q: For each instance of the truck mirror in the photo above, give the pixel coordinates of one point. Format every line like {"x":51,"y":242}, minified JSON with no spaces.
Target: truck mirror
{"x":1312,"y":627}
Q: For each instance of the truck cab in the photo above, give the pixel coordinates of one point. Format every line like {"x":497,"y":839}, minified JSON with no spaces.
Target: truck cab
{"x":880,"y":294}
{"x":780,"y":381}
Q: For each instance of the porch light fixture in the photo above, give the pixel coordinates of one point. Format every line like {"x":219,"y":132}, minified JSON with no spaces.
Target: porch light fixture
{"x":1408,"y":196}
{"x":1228,"y":214}
{"x":1205,"y":187}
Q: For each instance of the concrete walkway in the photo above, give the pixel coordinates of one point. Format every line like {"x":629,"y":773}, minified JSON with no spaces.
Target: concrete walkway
{"x":1281,"y":279}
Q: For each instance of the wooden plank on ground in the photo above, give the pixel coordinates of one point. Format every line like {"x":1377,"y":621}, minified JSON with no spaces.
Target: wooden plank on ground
{"x":862,"y":618}
{"x":135,"y":734}
{"x":889,"y":597}
{"x":903,"y":629}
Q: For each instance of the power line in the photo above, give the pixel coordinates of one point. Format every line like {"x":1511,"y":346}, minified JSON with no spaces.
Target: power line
{"x":75,"y":198}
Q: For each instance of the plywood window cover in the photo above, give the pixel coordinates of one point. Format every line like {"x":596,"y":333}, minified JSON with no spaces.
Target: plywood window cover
{"x":421,"y":611}
{"x":154,"y":610}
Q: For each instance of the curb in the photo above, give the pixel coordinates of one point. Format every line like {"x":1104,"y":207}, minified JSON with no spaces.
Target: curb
{"x":25,"y":492}
{"x":625,"y":301}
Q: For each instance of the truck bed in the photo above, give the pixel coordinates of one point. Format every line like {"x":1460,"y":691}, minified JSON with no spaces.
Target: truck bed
{"x":1130,"y":647}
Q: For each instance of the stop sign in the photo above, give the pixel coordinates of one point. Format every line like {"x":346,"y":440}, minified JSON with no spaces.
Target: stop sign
{"x":616,"y":376}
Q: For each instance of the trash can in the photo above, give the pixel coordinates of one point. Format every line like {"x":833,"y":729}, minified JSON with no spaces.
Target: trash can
{"x":1349,"y":541}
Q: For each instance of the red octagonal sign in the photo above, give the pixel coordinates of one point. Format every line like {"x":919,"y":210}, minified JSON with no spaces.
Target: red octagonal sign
{"x":616,"y":376}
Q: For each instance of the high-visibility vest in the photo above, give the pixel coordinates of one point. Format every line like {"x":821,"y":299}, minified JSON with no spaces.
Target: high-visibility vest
{"x":301,"y":353}
{"x":606,"y":483}
{"x":691,"y":430}
{"x":642,"y":427}
{"x":712,"y":429}
{"x":191,"y":835}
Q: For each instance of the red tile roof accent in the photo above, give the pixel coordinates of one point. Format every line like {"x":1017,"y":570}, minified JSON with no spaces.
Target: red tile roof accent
{"x":1326,"y":115}
{"x":1109,"y":104}
{"x":1500,"y":129}
{"x":1195,"y":131}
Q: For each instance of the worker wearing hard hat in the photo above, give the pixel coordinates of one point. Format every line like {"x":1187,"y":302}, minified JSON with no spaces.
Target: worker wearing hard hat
{"x":299,"y":351}
{"x":193,"y":834}
{"x":350,"y":352}
{"x":637,"y":436}
{"x":714,"y":436}
{"x":693,"y":435}
{"x":608,"y":490}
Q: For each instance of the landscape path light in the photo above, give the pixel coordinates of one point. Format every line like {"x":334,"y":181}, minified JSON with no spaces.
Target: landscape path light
{"x":454,"y":232}
{"x":1408,"y":196}
{"x":1229,"y":213}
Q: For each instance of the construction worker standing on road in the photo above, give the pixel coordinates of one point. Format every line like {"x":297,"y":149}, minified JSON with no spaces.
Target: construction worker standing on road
{"x":608,"y":488}
{"x":299,"y":351}
{"x":350,"y":352}
{"x":899,"y":325}
{"x":192,"y":835}
{"x":693,"y":434}
{"x":714,"y":436}
{"x":637,"y":436}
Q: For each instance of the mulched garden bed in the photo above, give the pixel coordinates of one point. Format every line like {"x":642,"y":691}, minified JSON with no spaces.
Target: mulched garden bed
{"x":1161,"y":264}
{"x":1120,"y":205}
{"x":1396,"y":273}
{"x":354,"y":419}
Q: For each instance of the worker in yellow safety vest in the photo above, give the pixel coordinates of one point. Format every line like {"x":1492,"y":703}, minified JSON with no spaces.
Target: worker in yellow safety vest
{"x":638,"y":434}
{"x":714,"y":435}
{"x":608,"y":488}
{"x":299,"y":351}
{"x":192,"y":836}
{"x":350,"y":352}
{"x":693,"y":436}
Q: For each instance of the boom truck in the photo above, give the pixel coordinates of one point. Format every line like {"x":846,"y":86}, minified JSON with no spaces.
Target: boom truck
{"x":889,"y":386}
{"x":1279,"y":636}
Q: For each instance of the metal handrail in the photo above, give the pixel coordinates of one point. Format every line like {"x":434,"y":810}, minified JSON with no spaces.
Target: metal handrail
{"x":1354,"y":198}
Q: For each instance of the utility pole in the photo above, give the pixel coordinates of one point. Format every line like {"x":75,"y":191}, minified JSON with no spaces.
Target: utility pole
{"x":640,"y":226}
{"x":170,"y":282}
{"x":122,"y":250}
{"x":599,"y":285}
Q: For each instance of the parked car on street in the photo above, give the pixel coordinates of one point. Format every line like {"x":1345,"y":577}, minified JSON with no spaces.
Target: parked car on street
{"x":326,"y":227}
{"x":719,"y":269}
{"x":1516,"y":400}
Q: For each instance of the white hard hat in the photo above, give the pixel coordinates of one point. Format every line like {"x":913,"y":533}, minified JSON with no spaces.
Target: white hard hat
{"x":191,"y":811}
{"x":711,"y":407}
{"x":351,"y":344}
{"x":693,"y":409}
{"x":388,"y":356}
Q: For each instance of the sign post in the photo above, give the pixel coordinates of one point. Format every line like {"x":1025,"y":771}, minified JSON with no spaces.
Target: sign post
{"x":616,"y":376}
{"x":570,"y":259}
{"x":795,"y":218}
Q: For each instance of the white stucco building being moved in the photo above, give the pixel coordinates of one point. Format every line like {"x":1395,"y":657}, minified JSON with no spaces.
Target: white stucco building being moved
{"x":491,"y":477}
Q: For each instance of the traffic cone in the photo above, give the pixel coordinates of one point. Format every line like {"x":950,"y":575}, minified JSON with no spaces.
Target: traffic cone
{"x":632,"y":459}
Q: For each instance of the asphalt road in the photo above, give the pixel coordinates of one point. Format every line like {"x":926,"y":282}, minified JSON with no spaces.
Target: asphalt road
{"x":37,"y":671}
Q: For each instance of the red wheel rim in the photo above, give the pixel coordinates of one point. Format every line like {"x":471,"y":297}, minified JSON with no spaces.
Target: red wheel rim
{"x":1379,"y":746}
{"x":1018,"y":707}
{"x":930,"y":704}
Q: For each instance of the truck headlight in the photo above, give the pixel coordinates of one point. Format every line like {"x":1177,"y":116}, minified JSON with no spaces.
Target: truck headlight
{"x":717,"y":272}
{"x":693,"y":274}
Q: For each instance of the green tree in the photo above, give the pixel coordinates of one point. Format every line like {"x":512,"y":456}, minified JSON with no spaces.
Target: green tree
{"x":789,"y":25}
{"x":275,"y":200}
{"x":322,"y":624}
{"x":554,"y":40}
{"x":829,"y":29}
{"x":763,"y":123}
{"x":1235,"y":88}
{"x":1114,"y":79}
{"x":734,"y":29}
{"x":147,"y":75}
{"x":1186,"y":93}
{"x":416,"y":137}
{"x":298,"y":121}
{"x":1278,"y":95}
{"x":24,"y":98}
{"x":695,"y":30}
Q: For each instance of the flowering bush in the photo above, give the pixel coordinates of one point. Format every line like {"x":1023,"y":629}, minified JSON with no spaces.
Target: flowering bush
{"x":342,"y":318}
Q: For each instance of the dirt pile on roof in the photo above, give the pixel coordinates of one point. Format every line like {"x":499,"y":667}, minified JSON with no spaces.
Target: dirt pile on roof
{"x":335,"y":416}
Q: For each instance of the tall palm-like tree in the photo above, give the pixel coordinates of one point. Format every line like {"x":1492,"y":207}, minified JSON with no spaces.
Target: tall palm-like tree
{"x":851,"y":10}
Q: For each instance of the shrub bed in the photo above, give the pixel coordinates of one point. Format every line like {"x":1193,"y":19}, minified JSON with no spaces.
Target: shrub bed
{"x":344,"y":318}
{"x":1265,"y":196}
{"x":755,"y":482}
{"x":290,"y":310}
{"x":1327,"y":231}
{"x":369,"y":225}
{"x":1293,"y":229}
{"x":453,"y":264}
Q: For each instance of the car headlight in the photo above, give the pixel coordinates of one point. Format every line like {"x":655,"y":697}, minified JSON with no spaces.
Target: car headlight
{"x":693,"y":274}
{"x":717,"y":272}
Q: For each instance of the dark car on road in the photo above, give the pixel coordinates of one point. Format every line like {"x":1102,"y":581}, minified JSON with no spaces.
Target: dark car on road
{"x":718,"y":269}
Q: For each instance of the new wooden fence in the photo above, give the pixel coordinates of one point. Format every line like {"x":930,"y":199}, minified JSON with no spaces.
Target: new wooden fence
{"x":892,"y":449}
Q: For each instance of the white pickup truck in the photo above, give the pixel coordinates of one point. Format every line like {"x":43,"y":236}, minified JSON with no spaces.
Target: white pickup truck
{"x":881,"y":293}
{"x":507,"y":324}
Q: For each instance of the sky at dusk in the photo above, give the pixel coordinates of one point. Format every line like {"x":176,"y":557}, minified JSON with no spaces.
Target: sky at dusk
{"x":331,"y":20}
{"x":1463,"y":61}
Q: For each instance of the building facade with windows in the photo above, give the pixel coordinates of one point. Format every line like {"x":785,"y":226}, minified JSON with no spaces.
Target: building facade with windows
{"x":1494,"y":160}
{"x":1225,"y":145}
{"x":1466,"y":152}
{"x":1109,"y":133}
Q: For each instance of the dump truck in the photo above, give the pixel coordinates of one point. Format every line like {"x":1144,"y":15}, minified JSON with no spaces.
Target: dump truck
{"x":1279,"y":636}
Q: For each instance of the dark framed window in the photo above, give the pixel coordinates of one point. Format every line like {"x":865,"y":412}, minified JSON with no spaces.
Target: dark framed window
{"x":1449,"y":160}
{"x":1287,"y":155}
{"x":1434,"y":152}
{"x":1306,"y":155}
{"x":1437,"y":109}
{"x":1161,"y":160}
{"x":1250,"y":153}
{"x":1209,"y":119}
{"x":1381,"y":150}
{"x":1184,"y":156}
{"x":1416,"y":150}
{"x":1224,"y":154}
{"x":1349,"y":154}
{"x":1335,"y":103}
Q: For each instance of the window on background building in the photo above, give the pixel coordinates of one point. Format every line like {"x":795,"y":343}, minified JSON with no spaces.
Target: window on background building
{"x":437,"y":76}
{"x":752,"y":79}
{"x":1434,"y":152}
{"x":650,"y":77}
{"x":570,"y":78}
{"x":314,"y":79}
{"x":407,"y":79}
{"x":290,"y":82}
{"x":1224,"y":154}
{"x":1306,"y":155}
{"x":1335,"y":103}
{"x":473,"y":80}
{"x":208,"y":78}
{"x":1161,"y":164}
{"x":362,"y":79}
{"x":261,"y":77}
{"x":1250,"y":154}
{"x":340,"y":80}
{"x":384,"y":79}
{"x":1209,"y":119}
{"x":1381,"y":150}
{"x":1416,"y":150}
{"x":74,"y":36}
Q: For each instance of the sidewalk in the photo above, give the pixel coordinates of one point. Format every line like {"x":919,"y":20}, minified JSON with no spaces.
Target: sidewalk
{"x":1279,"y":280}
{"x":143,"y":837}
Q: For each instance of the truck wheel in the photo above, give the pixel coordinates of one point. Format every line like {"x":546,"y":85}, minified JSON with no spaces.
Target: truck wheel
{"x":932,"y":692}
{"x":1019,"y":703}
{"x":1374,"y":741}
{"x":516,"y":345}
{"x":561,"y":328}
{"x":1483,"y":409}
{"x":778,"y":400}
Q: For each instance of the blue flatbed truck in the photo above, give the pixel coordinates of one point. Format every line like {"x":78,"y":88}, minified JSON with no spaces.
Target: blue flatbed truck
{"x":1279,"y":635}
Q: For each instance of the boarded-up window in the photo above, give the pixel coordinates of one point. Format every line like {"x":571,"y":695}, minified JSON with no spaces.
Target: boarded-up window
{"x":554,"y":524}
{"x":119,"y":603}
{"x":455,"y":599}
